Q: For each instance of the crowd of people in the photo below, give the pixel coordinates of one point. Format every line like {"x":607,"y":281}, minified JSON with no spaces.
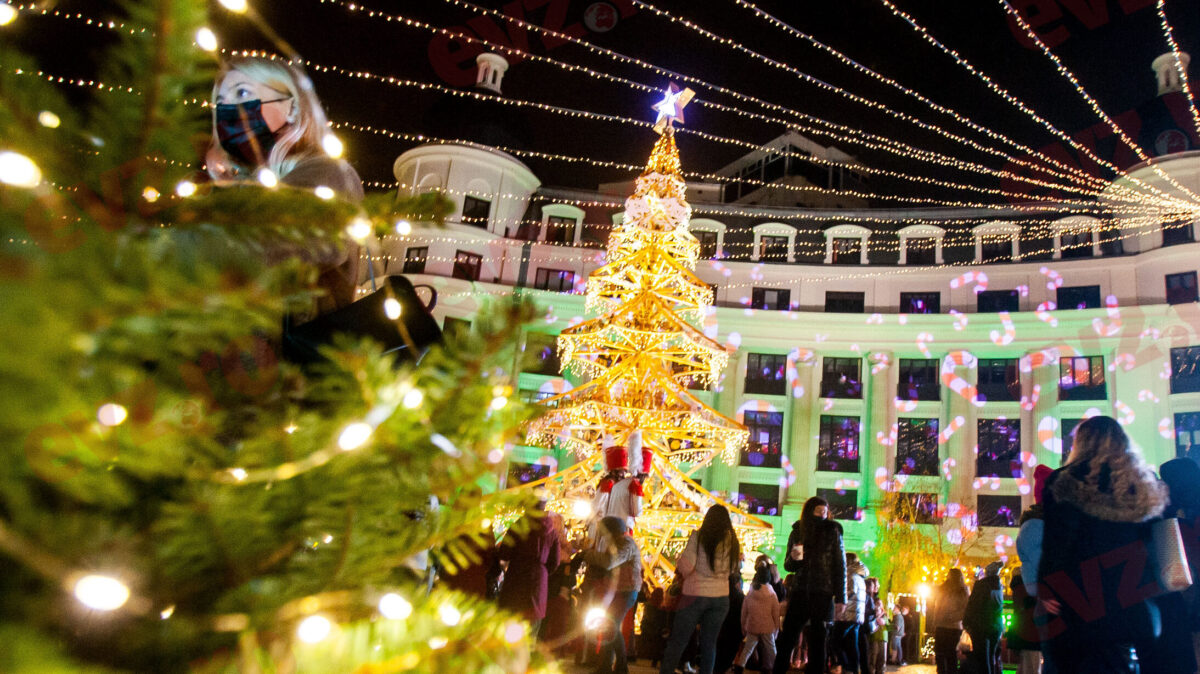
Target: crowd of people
{"x":1087,"y":587}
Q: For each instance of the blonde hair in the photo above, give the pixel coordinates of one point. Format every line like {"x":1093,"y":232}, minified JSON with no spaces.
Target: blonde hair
{"x":297,"y":139}
{"x":1101,"y":442}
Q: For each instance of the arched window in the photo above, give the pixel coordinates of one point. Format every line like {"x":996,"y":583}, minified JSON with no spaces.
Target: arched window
{"x":846,"y":244}
{"x":711,"y":235}
{"x":921,"y":244}
{"x":774,"y":242}
{"x":997,"y":242}
{"x":1075,"y":237}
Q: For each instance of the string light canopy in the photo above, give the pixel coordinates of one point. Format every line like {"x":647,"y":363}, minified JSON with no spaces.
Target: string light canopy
{"x":640,"y":354}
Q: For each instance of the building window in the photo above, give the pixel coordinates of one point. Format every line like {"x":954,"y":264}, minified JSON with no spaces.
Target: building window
{"x":1185,"y":369}
{"x":1176,"y":234}
{"x":917,"y":447}
{"x":843,"y":503}
{"x":1113,"y":245}
{"x":999,"y":448}
{"x":841,"y":378}
{"x":466,"y":265}
{"x":918,"y":379}
{"x":708,"y":243}
{"x":918,"y":508}
{"x":765,"y":446}
{"x":847,"y":251}
{"x":838,"y":446}
{"x":1066,"y":431}
{"x":766,"y":373}
{"x":837,"y":302}
{"x":771,"y":299}
{"x":414,"y":260}
{"x":773,"y":248}
{"x":1187,"y":435}
{"x":999,"y":511}
{"x":996,"y":250}
{"x":1076,"y":244}
{"x":541,"y":354}
{"x":557,"y":280}
{"x":995,"y":301}
{"x":532,"y":395}
{"x":920,"y":303}
{"x":475,"y":211}
{"x":921,"y":250}
{"x":999,"y":379}
{"x":758,"y":499}
{"x":560,"y":229}
{"x":1081,"y":378}
{"x":1181,"y":288}
{"x":524,"y":473}
{"x":1079,"y":297}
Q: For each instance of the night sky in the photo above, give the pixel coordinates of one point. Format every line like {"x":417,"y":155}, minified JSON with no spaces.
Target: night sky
{"x":1109,"y":44}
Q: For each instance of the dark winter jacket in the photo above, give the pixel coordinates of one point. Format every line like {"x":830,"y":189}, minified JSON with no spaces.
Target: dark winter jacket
{"x":531,"y":557}
{"x":1095,"y":554}
{"x":1022,"y":635}
{"x":823,"y":569}
{"x":983,"y":616}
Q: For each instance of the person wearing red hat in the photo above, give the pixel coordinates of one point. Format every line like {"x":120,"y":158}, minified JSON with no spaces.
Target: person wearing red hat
{"x":625,"y":497}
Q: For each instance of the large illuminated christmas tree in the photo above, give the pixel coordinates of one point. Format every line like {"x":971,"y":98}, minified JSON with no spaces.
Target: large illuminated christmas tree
{"x":639,"y":357}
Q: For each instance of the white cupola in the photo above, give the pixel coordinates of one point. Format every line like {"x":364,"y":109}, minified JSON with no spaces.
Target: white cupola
{"x":1168,"y":73}
{"x":491,"y":68}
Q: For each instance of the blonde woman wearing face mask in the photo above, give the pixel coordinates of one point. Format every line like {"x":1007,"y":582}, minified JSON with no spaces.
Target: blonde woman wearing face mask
{"x":266,"y":115}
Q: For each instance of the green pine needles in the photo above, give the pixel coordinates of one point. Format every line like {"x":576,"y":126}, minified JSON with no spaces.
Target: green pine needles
{"x":151,"y":435}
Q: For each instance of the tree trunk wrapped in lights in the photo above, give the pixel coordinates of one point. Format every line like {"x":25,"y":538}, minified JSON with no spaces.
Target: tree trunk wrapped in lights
{"x":640,"y":355}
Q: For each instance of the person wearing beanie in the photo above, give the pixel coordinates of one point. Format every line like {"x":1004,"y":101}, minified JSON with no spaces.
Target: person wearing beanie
{"x":984,"y":621}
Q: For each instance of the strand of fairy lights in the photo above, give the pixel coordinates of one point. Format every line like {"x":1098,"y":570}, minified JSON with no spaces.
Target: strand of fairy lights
{"x":1095,"y":106}
{"x":1086,"y":177}
{"x":825,"y":85}
{"x":109,"y":24}
{"x":1006,"y":95}
{"x":669,"y":73}
{"x":630,"y":83}
{"x":888,"y":146}
{"x":905,"y":271}
{"x":1169,"y":33}
{"x":586,"y":114}
{"x":581,"y":254}
{"x":422,"y":138}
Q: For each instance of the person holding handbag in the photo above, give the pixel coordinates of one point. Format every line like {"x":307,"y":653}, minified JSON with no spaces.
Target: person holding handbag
{"x":711,"y":554}
{"x":1100,"y":505}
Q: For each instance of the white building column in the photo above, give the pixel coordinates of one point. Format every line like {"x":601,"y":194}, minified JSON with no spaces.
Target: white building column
{"x":961,"y":444}
{"x":881,"y":375}
{"x":803,"y":411}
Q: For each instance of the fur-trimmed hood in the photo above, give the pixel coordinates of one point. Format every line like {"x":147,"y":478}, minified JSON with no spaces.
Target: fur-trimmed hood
{"x":1142,"y":498}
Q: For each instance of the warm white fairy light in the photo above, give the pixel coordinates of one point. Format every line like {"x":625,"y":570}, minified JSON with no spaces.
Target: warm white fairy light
{"x":359,"y":229}
{"x":206,"y":39}
{"x":18,"y":170}
{"x":449,"y":615}
{"x":238,"y":474}
{"x":238,"y":6}
{"x":150,"y":194}
{"x":185,"y":188}
{"x":314,"y":629}
{"x":392,"y":308}
{"x":394,"y":607}
{"x":499,"y":402}
{"x":112,"y":414}
{"x":403,"y":227}
{"x":355,"y":435}
{"x":101,"y":593}
{"x":267,"y":178}
{"x":333,"y":146}
{"x":413,"y":399}
{"x":49,"y":119}
{"x":323,"y":192}
{"x":8,"y":14}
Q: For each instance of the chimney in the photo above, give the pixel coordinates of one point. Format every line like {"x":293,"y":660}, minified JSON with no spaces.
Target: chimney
{"x":491,"y":68}
{"x":1169,"y":76}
